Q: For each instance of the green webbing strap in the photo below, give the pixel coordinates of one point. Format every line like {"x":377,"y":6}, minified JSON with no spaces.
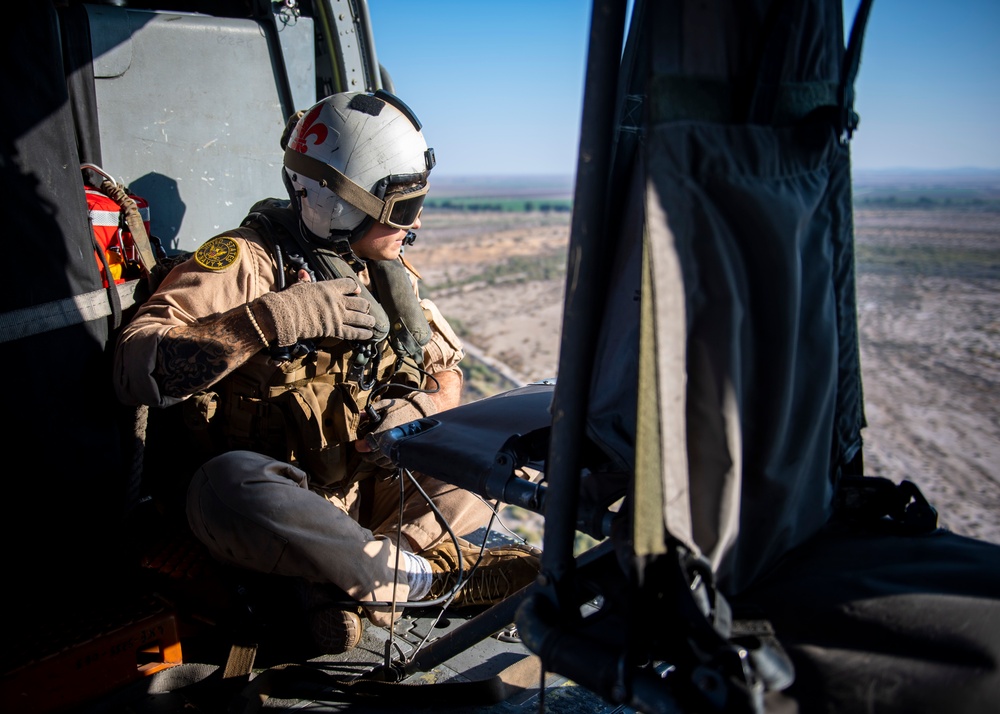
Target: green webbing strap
{"x":648,"y":536}
{"x":75,"y":310}
{"x":327,"y":263}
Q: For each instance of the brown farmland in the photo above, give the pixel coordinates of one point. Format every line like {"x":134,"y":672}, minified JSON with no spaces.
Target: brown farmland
{"x":928,"y":311}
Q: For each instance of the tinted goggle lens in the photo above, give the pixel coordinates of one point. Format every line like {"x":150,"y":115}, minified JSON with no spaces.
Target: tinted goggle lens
{"x":403,"y":208}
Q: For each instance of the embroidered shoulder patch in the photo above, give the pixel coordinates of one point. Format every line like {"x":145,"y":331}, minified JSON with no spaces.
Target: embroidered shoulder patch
{"x":218,"y":253}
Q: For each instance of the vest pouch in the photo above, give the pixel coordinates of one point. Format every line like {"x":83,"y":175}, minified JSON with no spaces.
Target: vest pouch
{"x":246,"y":419}
{"x":199,"y":410}
{"x":197,"y":414}
{"x":323,"y":420}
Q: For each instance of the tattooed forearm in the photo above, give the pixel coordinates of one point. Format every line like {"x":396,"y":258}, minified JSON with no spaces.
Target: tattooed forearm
{"x":197,"y":356}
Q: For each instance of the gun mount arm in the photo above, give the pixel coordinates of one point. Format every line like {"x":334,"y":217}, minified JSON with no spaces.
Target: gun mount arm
{"x":486,"y":446}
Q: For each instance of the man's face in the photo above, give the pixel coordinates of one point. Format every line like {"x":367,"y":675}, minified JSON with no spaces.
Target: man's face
{"x":382,"y":242}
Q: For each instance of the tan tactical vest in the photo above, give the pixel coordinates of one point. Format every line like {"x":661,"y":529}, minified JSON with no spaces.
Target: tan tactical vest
{"x":305,"y":411}
{"x":309,"y":410}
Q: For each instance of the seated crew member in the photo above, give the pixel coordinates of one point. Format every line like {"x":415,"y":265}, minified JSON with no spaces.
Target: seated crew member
{"x":289,"y":340}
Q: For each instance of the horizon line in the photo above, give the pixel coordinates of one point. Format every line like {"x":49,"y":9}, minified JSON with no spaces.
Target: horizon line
{"x":854,"y":169}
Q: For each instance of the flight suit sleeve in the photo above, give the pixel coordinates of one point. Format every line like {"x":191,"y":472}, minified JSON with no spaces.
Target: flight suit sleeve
{"x":444,"y":350}
{"x":192,"y":291}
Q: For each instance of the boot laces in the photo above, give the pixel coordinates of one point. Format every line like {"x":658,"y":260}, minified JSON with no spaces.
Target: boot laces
{"x":482,"y":582}
{"x":484,"y":585}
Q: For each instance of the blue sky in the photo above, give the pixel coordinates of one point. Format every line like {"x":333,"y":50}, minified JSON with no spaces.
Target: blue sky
{"x":499,"y":86}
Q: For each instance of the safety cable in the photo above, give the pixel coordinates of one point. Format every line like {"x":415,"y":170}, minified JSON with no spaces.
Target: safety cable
{"x":425,"y":373}
{"x":496,"y":516}
{"x":458,"y":585}
{"x":395,"y":574}
{"x":387,"y":384}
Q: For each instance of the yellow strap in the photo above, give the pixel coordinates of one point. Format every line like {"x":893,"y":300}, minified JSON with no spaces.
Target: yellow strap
{"x":134,"y":222}
{"x":240,"y":661}
{"x":648,"y":529}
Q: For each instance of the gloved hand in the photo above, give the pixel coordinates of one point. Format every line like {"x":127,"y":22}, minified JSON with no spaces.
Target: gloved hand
{"x":394,"y":412}
{"x":307,"y":310}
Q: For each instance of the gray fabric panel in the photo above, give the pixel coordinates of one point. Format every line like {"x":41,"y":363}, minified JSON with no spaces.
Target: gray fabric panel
{"x":612,"y":407}
{"x":756,"y":211}
{"x":752,"y":212}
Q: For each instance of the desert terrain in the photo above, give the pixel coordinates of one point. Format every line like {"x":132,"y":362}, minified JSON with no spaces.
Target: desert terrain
{"x":928,"y":311}
{"x":929,"y":316}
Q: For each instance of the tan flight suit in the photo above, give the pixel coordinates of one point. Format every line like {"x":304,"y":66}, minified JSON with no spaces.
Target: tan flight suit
{"x":264,"y":514}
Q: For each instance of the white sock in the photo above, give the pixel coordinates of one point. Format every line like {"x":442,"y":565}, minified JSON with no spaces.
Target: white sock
{"x":418,"y":575}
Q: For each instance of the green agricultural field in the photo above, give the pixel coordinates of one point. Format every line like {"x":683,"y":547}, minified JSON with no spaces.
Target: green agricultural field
{"x":974,"y":190}
{"x":503,"y":205}
{"x":927,"y":199}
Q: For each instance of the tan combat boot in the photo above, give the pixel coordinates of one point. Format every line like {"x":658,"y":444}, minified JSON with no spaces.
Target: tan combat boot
{"x":333,"y":626}
{"x":501,"y":572}
{"x":334,"y":630}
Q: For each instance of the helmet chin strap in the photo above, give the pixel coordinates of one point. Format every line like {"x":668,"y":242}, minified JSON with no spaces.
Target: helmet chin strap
{"x":341,"y":241}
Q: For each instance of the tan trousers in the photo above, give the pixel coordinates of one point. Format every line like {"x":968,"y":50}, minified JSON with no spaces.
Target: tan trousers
{"x":258,"y":513}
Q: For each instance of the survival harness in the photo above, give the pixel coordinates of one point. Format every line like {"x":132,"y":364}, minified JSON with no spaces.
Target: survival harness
{"x":397,"y":313}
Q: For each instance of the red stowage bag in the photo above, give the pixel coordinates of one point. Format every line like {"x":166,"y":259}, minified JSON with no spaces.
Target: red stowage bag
{"x":113,"y":236}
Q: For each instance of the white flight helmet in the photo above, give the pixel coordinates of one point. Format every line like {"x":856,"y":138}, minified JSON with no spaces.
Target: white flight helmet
{"x":355,"y":158}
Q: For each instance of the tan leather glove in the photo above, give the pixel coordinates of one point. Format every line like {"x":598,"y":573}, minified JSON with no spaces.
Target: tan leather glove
{"x":329,"y":308}
{"x":395,"y":412}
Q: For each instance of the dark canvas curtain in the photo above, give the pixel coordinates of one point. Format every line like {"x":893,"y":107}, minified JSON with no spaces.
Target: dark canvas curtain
{"x":60,"y":440}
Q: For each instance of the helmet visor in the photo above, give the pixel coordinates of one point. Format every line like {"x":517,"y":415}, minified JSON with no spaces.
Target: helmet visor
{"x":402,"y":208}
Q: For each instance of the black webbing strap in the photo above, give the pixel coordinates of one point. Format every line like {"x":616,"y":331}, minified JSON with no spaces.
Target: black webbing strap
{"x":309,"y":681}
{"x":849,"y":71}
{"x":264,"y":14}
